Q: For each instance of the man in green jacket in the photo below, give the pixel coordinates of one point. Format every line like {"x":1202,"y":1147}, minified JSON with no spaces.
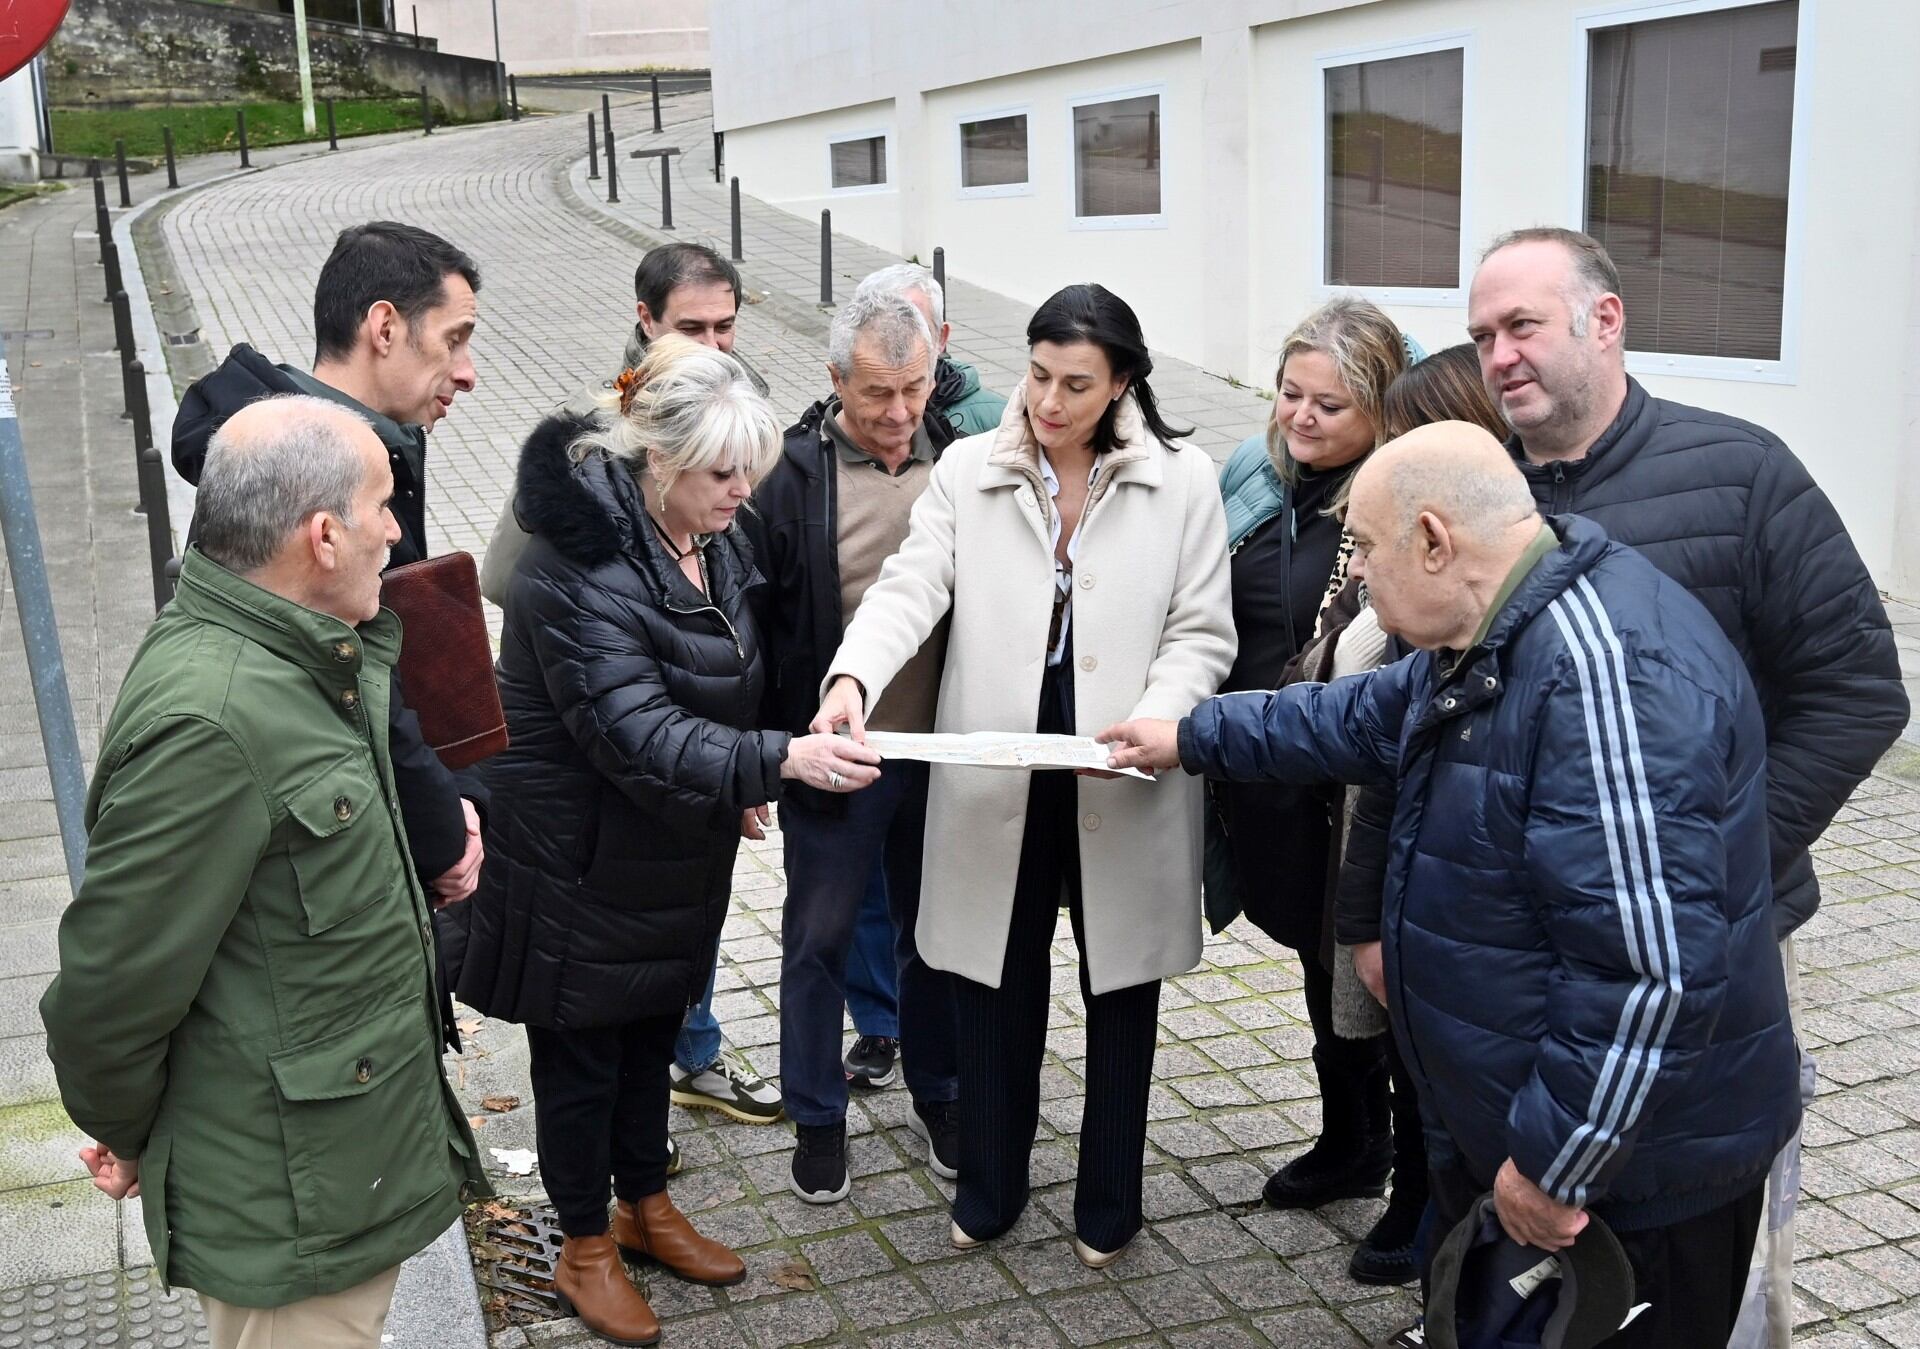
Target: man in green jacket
{"x":245,"y":1017}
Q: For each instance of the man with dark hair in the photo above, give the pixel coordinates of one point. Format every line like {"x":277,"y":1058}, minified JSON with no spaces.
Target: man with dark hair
{"x":691,"y":290}
{"x":393,"y":317}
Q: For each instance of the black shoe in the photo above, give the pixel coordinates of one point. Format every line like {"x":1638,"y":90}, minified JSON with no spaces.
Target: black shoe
{"x":1387,"y":1255}
{"x":1326,"y":1172}
{"x":1407,"y":1337}
{"x":874,"y":1061}
{"x":938,"y":1122}
{"x":819,"y":1173}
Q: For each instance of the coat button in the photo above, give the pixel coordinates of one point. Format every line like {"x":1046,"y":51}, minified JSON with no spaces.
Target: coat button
{"x":1026,"y":496}
{"x":363,"y":1071}
{"x":1086,"y":580}
{"x":342,"y":809}
{"x":1091,"y":821}
{"x":350,"y":699}
{"x":1448,"y":703}
{"x":343,"y":652}
{"x":1492,"y":683}
{"x":1089,"y":663}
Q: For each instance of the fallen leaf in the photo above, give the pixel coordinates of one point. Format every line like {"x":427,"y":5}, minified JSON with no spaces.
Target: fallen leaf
{"x":794,"y":1275}
{"x":469,"y":1024}
{"x":477,"y":1121}
{"x":497,"y":1104}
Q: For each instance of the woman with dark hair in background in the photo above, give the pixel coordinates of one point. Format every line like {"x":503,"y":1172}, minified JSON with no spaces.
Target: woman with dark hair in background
{"x":1445,"y":387}
{"x":1082,"y":555}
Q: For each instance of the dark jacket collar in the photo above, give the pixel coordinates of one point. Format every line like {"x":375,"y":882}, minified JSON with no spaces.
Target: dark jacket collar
{"x":1607,"y":455}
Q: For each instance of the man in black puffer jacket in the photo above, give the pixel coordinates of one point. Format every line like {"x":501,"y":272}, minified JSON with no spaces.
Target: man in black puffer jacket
{"x":1721,"y":506}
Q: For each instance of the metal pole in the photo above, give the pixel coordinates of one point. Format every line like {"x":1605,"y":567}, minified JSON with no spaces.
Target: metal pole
{"x":426,"y":111}
{"x":33,"y":599}
{"x":606,"y":112}
{"x":666,"y":190}
{"x":333,"y":132}
{"x":153,"y":488}
{"x":416,"y":27}
{"x":241,"y":117}
{"x":513,"y":93}
{"x":593,"y":151}
{"x":304,"y":66}
{"x":110,"y":256}
{"x":613,"y":169}
{"x":719,"y":145}
{"x":120,"y":168}
{"x":826,"y":257}
{"x":655,"y":81}
{"x":738,"y":256}
{"x":940,"y":273}
{"x":123,"y":334}
{"x":499,"y":66}
{"x":173,"y":174}
{"x":102,"y":222}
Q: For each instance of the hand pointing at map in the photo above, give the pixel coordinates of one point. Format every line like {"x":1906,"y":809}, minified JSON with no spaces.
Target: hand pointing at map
{"x":844,"y":705}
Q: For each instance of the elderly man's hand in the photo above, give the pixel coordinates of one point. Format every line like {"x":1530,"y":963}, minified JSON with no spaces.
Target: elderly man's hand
{"x":1530,"y":1215}
{"x":1143,"y":743}
{"x":115,"y":1177}
{"x":461,"y":879}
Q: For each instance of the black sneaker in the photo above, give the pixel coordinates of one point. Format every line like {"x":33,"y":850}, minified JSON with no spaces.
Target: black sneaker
{"x":938,"y":1124}
{"x":1407,"y":1337}
{"x":674,"y":1159}
{"x":874,"y":1061}
{"x":819,"y":1173}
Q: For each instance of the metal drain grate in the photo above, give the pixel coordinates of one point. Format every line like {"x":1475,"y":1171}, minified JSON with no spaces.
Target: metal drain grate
{"x":514,"y":1252}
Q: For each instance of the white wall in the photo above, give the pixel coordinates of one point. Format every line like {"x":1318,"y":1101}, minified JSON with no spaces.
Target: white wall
{"x":1239,"y":261}
{"x":19,"y":127}
{"x":551,"y":36}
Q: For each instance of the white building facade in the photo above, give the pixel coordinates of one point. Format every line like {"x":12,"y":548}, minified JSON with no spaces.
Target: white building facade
{"x":550,"y":37}
{"x":1753,"y":166}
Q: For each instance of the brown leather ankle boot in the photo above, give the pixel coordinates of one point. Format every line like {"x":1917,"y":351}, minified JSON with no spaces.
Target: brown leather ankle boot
{"x":593,"y":1285}
{"x":654,"y":1229}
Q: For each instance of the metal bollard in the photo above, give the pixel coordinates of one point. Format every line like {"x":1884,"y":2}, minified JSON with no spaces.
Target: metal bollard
{"x":606,"y":110}
{"x":613,"y":169}
{"x":241,"y":119}
{"x":122,"y":328}
{"x":159,"y":527}
{"x":93,"y":169}
{"x":738,"y":256}
{"x":333,"y":132}
{"x":940,"y":271}
{"x":666,"y":191}
{"x":826,"y":257}
{"x":513,"y":93}
{"x":120,"y":168}
{"x":426,"y":112}
{"x":719,"y":146}
{"x":133,"y":376}
{"x":102,"y":222}
{"x":656,"y":102}
{"x":173,"y":173}
{"x":110,"y":259}
{"x":593,"y":151}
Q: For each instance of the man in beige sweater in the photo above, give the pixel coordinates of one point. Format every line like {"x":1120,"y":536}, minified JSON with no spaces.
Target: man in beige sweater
{"x":823,"y":524}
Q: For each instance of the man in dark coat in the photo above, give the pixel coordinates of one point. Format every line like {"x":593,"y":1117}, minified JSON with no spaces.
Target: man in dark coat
{"x":1580,"y":955}
{"x":393,"y":318}
{"x":1725,"y":509}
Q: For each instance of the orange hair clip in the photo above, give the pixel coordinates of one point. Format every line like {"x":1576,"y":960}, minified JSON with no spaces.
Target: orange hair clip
{"x":626,"y":382}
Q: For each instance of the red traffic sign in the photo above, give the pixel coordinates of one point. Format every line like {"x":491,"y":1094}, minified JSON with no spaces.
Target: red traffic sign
{"x":25,"y":27}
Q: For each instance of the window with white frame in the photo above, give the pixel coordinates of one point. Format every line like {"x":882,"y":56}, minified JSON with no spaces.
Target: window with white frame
{"x":1393,"y":129}
{"x":860,"y":162}
{"x":1116,"y":158}
{"x":1689,"y":144}
{"x":993,"y":152}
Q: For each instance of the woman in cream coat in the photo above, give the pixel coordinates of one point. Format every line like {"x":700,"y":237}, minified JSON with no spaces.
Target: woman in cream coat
{"x":1080,"y":550}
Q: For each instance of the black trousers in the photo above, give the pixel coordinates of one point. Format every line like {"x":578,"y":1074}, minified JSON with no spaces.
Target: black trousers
{"x":1003,"y":1038}
{"x":1692,"y":1274}
{"x":600,"y":1111}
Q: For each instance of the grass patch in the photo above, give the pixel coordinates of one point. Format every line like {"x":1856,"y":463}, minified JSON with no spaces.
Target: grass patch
{"x":199,"y":128}
{"x":12,"y":192}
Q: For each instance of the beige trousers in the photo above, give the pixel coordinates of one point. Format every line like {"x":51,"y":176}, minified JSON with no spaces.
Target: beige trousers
{"x":350,"y":1319}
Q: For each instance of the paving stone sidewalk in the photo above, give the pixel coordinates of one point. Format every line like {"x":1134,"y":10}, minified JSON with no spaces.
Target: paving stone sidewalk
{"x":1234,"y":1094}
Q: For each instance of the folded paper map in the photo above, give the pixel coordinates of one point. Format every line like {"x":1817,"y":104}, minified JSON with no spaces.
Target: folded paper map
{"x":996,"y":749}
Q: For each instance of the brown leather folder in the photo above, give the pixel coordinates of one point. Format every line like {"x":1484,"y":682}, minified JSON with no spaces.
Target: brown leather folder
{"x":446,"y":657}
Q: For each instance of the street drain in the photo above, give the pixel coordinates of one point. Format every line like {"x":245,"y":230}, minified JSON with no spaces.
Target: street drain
{"x":514,"y":1252}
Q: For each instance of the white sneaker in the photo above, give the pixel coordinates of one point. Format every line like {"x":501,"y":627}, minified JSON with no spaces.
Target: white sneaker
{"x":728,"y":1087}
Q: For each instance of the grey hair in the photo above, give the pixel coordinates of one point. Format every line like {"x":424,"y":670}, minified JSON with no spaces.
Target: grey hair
{"x":695,"y":409}
{"x":257,"y":487}
{"x":882,"y":317}
{"x":1479,"y":502}
{"x":1593,"y":273}
{"x":904,"y":277}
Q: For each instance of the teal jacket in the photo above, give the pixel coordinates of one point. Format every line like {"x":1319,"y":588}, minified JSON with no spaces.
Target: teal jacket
{"x":246,"y":997}
{"x":1251,"y":489}
{"x":957,"y":396}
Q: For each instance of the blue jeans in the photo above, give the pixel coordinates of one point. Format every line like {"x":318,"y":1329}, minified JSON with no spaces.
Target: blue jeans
{"x":830,"y":862}
{"x":873,"y":979}
{"x":698,"y":1044}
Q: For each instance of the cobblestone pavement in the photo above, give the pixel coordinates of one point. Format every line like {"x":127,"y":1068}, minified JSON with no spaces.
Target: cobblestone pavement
{"x":1234,"y":1095}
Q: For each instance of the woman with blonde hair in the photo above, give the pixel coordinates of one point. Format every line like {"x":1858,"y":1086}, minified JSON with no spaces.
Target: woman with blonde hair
{"x":1274,"y":845}
{"x":631,"y":673}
